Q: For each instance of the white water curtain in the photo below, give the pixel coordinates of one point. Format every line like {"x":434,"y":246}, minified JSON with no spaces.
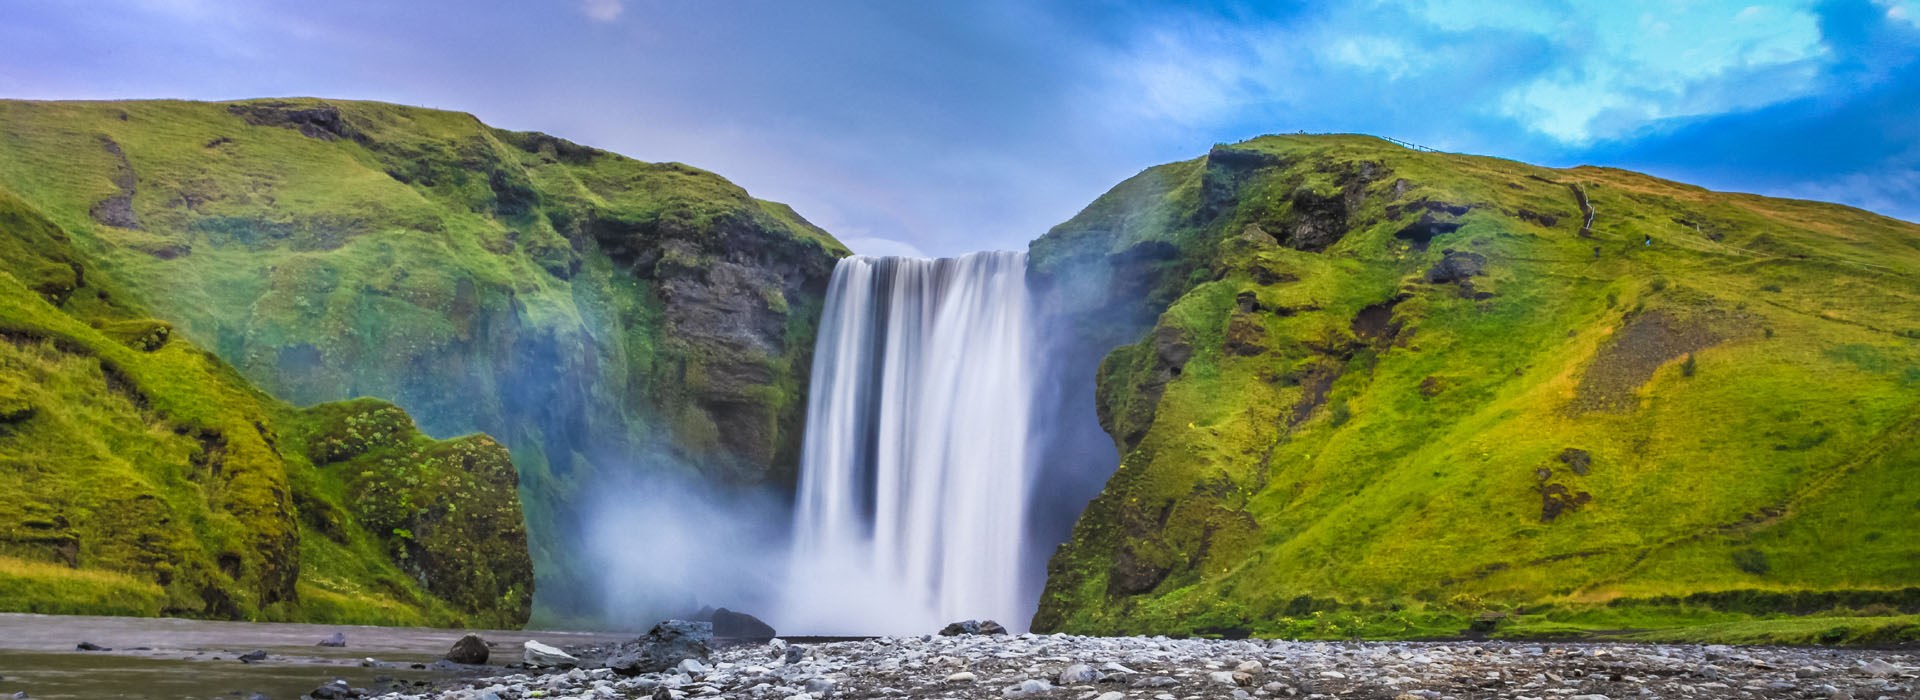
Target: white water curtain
{"x":912,"y":496}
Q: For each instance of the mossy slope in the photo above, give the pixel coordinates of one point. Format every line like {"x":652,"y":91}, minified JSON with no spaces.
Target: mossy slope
{"x":591,"y":311}
{"x":1363,"y":390}
{"x":141,"y":475}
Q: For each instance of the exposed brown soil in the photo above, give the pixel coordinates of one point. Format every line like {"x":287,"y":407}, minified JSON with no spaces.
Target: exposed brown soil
{"x":117,"y":211}
{"x":1638,"y":349}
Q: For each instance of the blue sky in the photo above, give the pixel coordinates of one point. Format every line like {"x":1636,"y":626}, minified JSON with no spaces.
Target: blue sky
{"x":948,"y":127}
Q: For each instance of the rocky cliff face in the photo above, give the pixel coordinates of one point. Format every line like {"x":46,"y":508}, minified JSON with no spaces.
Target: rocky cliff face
{"x":141,"y":475}
{"x":1357,"y":389}
{"x":595,"y":313}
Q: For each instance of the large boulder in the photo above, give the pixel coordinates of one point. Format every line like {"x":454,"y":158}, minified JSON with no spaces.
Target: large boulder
{"x":471,"y":650}
{"x":668,"y":644}
{"x":728,"y":624}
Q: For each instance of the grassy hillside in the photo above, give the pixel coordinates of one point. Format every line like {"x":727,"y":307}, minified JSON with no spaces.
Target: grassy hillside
{"x":596,"y":313}
{"x":1362,"y":390}
{"x":141,"y":475}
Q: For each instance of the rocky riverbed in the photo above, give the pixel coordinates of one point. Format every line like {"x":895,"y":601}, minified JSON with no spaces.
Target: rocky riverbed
{"x":1083,"y":668}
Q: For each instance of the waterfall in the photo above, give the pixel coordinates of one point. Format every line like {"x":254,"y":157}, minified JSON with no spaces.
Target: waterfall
{"x":914,"y":476}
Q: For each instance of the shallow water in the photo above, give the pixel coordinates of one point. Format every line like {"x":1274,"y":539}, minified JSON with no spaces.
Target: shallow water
{"x":170,"y":659}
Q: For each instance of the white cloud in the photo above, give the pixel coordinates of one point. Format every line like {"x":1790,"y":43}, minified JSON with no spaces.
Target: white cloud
{"x":602,"y":10}
{"x":1902,"y":10}
{"x":1184,"y":77}
{"x":1374,"y":54}
{"x":1667,"y":62}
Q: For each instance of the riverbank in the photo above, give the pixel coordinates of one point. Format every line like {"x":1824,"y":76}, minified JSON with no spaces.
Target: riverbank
{"x":1088,"y":668}
{"x":177,"y":659}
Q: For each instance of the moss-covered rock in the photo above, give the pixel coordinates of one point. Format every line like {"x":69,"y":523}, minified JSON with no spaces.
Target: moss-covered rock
{"x":448,"y":512}
{"x":1343,"y":378}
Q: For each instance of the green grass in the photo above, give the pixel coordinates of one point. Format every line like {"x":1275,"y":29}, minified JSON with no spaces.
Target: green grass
{"x":50,"y":589}
{"x":1777,"y":456}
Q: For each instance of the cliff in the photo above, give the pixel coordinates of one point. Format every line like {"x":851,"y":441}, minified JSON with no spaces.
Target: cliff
{"x":597,"y":314}
{"x":141,"y":475}
{"x":1362,"y":390}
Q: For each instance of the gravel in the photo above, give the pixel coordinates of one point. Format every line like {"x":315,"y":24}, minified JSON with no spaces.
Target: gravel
{"x":1157,"y":668}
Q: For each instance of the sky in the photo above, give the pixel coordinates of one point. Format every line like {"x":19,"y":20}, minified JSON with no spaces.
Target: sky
{"x":942,"y":128}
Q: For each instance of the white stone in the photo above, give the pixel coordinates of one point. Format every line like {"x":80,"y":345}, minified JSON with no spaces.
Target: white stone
{"x":540,"y":655}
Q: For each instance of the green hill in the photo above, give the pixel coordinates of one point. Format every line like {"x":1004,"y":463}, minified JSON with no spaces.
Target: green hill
{"x":1364,"y":390}
{"x":591,"y":311}
{"x":140,"y":475}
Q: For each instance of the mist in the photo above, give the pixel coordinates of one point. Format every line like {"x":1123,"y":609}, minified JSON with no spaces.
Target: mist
{"x":661,"y":542}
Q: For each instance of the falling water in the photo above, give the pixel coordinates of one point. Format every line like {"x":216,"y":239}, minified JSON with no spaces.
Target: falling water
{"x":913,"y":481}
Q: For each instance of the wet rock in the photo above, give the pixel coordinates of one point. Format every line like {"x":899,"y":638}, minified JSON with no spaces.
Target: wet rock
{"x":254,"y":656}
{"x":956,"y":629}
{"x":1078,"y":674}
{"x":337,"y":689}
{"x":339,"y":639}
{"x":1880,"y":668}
{"x":976,"y":666}
{"x":538,"y":655}
{"x":1027,"y":688}
{"x":471,"y":650}
{"x":738,"y":625}
{"x":664,"y":647}
{"x":90,"y":646}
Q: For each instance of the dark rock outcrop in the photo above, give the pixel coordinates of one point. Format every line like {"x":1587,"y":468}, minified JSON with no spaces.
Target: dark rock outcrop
{"x":1579,"y":460}
{"x":1436,"y":219}
{"x":1457,"y":266}
{"x":316,"y":121}
{"x":117,"y":210}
